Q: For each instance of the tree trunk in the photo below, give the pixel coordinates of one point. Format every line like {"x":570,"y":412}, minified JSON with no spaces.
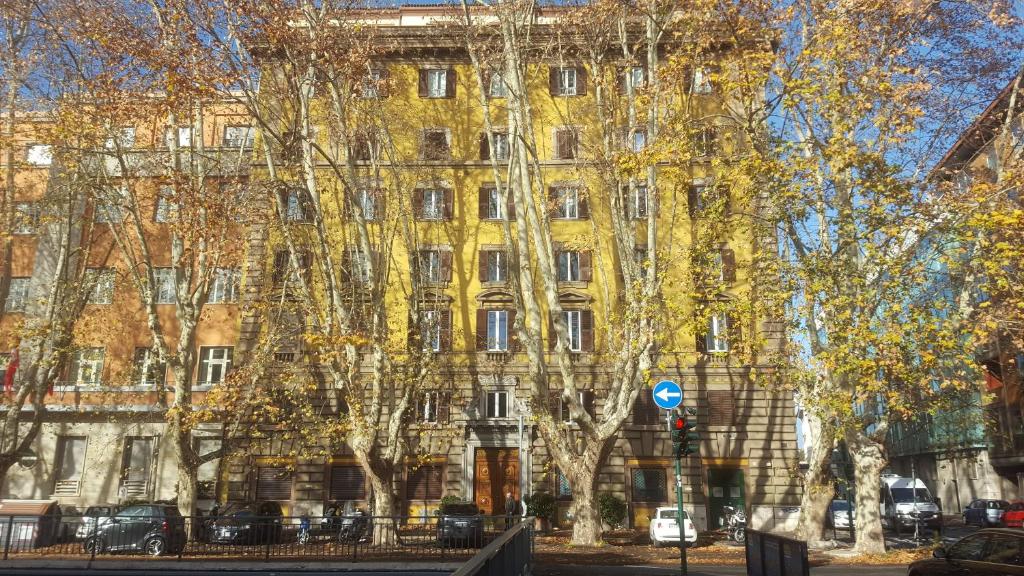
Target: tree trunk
{"x":869,"y":459}
{"x":586,"y":516}
{"x":382,"y":504}
{"x":818,"y":484}
{"x":187,"y":489}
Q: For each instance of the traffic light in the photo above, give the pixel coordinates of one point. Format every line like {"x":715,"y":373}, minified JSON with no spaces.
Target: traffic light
{"x":685,"y":440}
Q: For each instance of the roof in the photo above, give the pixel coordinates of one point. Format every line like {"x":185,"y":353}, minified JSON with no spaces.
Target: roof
{"x":979,"y":133}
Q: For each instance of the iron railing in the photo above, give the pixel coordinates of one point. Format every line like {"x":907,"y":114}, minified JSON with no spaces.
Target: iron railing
{"x":336,"y":538}
{"x":510,"y":554}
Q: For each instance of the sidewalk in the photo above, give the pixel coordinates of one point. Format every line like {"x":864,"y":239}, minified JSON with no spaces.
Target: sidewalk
{"x":225,"y":565}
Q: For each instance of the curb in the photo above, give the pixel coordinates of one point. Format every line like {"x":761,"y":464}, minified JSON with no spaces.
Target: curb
{"x":230,"y":566}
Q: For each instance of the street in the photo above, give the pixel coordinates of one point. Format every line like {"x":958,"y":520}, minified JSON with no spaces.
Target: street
{"x":708,"y":571}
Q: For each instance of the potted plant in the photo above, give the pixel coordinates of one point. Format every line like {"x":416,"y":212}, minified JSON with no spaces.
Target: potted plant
{"x":613,"y":514}
{"x":542,"y":507}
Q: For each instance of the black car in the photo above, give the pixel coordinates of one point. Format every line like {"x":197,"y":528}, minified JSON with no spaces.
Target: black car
{"x":152,"y":529}
{"x":985,"y":553}
{"x":257,"y":523}
{"x":460,"y":522}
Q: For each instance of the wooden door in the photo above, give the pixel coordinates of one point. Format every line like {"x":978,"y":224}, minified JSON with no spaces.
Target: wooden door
{"x":496,"y":474}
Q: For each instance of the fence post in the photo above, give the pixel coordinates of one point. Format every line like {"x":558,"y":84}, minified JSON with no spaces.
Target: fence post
{"x":7,"y":538}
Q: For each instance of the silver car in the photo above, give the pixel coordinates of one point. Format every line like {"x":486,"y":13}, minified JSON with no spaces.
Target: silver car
{"x":95,"y":517}
{"x":985,"y":512}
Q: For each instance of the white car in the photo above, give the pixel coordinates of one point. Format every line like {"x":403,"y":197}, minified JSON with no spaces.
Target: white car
{"x":664,"y":529}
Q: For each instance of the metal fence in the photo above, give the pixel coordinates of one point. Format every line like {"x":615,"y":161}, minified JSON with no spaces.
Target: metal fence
{"x":510,"y":554}
{"x":338,"y":538}
{"x":775,"y":555}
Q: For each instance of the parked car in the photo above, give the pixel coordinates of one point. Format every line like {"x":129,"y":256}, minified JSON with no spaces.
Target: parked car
{"x":1014,"y":516}
{"x":252,"y":523}
{"x":840,"y":514}
{"x":984,"y":553}
{"x":985,"y":513}
{"x":460,"y":522}
{"x":94,"y":516}
{"x":664,"y":530}
{"x":153,"y":529}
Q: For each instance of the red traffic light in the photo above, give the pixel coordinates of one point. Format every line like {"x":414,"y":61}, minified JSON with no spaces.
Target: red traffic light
{"x":680,"y":423}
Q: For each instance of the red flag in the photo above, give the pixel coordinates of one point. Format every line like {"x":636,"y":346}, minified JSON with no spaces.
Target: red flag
{"x":12,"y":367}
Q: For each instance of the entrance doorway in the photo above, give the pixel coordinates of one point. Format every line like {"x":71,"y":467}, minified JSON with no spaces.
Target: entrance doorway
{"x":496,"y":473}
{"x":725,"y":488}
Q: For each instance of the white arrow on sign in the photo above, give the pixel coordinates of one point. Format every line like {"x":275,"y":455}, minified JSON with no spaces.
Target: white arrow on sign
{"x":664,"y":394}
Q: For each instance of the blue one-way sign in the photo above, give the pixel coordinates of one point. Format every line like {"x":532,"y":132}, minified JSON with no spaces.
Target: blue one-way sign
{"x":668,"y":394}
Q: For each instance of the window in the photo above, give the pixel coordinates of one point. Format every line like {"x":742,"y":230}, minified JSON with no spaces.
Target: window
{"x":497,"y":330}
{"x":436,"y":83}
{"x":164,"y":289}
{"x":183,"y":133}
{"x":646,"y":412}
{"x":26,"y":217}
{"x":432,"y":204}
{"x":366,"y":200}
{"x":580,"y":327}
{"x":425,"y":482}
{"x":206,"y":475}
{"x":1004,"y":549}
{"x":496,"y":404}
{"x":496,"y":87}
{"x":166,"y":207}
{"x":637,"y":202}
{"x":358,"y":267}
{"x":123,"y":137}
{"x":239,"y":136}
{"x":636,"y":139}
{"x":430,"y":326}
{"x":435,"y":266}
{"x":17,"y":294}
{"x":702,"y":80}
{"x":493,"y":266}
{"x":501,"y":146}
{"x":705,"y":141}
{"x":563,"y":491}
{"x":225,"y":285}
{"x":568,"y":266}
{"x":970,"y":548}
{"x":567,"y":82}
{"x":347,"y":483}
{"x":109,"y":206}
{"x":70,"y":465}
{"x":435,"y":144}
{"x":716,"y":339}
{"x":297,"y":206}
{"x":39,"y":154}
{"x":372,"y":84}
{"x":567,"y":202}
{"x":725,"y":265}
{"x":572,"y":322}
{"x":491,"y":207}
{"x":649,"y":485}
{"x":86,"y":367}
{"x":147,"y":371}
{"x":636,"y":76}
{"x":136,"y":466}
{"x":273,"y":483}
{"x":214,"y":364}
{"x":432,"y":406}
{"x":102,"y":280}
{"x":703,"y":196}
{"x":566,"y":144}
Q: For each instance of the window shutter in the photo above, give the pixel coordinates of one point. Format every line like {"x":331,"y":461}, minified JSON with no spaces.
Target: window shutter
{"x":412,"y":334}
{"x":552,"y":336}
{"x":587,"y":331}
{"x":734,"y":332}
{"x":555,"y":403}
{"x":446,"y":330}
{"x":417,"y":203}
{"x":588,"y":401}
{"x":449,"y":89}
{"x":553,"y":87}
{"x":581,"y":81}
{"x":423,"y":92}
{"x":483,"y":202}
{"x":553,"y":200}
{"x":586,"y":265}
{"x":728,"y":264}
{"x":444,"y":407}
{"x":721,"y":408}
{"x":701,"y":342}
{"x":449,"y":201}
{"x":722,"y":191}
{"x":348,"y":206}
{"x":347,"y":483}
{"x":378,"y":204}
{"x":693,"y":199}
{"x":485,"y":147}
{"x":382,"y":86}
{"x":563,"y":145}
{"x":481,"y":329}
{"x":584,"y":209}
{"x":485,"y":81}
{"x":620,"y":79}
{"x":510,"y":205}
{"x":513,"y":339}
{"x":204,"y":373}
{"x":483,"y":265}
{"x":446,"y":265}
{"x":687,"y":80}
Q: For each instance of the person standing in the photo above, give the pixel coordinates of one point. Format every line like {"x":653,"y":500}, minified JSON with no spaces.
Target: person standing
{"x":510,"y":510}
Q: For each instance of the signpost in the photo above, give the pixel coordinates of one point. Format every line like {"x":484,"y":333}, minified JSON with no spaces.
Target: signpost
{"x":668,"y":395}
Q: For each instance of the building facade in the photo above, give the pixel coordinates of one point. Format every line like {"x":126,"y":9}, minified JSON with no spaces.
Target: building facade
{"x":104,"y":441}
